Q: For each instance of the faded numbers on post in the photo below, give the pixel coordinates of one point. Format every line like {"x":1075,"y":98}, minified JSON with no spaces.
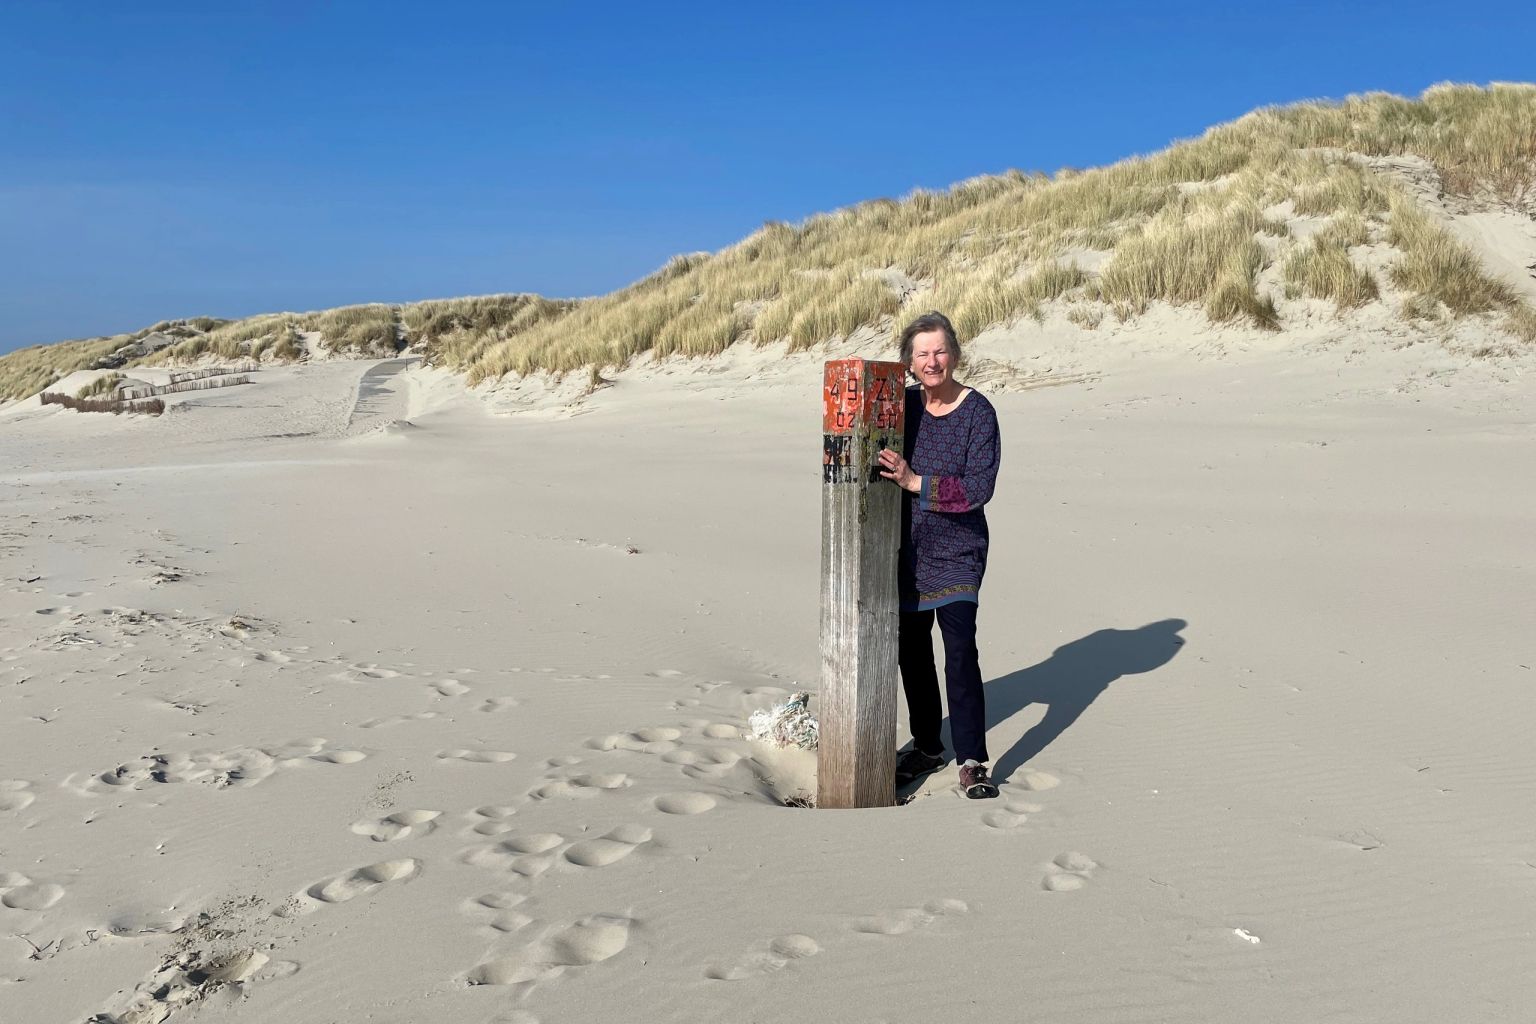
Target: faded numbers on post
{"x":863,"y":409}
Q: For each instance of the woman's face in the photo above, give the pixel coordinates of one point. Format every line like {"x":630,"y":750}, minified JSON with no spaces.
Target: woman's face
{"x":932,"y":363}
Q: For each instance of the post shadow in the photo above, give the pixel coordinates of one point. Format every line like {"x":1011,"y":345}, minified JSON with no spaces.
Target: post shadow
{"x":1071,"y":679}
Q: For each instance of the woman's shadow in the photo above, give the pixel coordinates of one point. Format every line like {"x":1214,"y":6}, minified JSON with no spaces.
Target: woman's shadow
{"x":1071,"y":679}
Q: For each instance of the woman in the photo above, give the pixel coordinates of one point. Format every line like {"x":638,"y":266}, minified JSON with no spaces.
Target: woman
{"x":949,"y":467}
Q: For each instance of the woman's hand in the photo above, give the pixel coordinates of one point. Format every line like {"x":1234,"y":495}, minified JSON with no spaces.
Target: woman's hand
{"x":894,"y":467}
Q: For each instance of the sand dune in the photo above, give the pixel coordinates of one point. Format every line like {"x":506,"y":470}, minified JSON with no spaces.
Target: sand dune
{"x":352,"y":695}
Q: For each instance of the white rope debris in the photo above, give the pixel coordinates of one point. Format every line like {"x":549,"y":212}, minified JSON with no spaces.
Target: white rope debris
{"x":790,"y":724}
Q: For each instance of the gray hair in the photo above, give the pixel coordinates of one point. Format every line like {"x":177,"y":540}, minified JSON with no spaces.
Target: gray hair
{"x":930,"y":321}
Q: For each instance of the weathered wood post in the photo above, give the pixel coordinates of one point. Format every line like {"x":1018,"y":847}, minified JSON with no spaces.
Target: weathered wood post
{"x":863,"y":411}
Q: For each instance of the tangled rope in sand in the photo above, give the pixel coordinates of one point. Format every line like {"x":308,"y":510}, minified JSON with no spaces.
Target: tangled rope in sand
{"x":790,"y":724}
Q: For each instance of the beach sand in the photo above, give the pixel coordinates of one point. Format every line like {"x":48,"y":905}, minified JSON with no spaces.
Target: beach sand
{"x":351,"y":695}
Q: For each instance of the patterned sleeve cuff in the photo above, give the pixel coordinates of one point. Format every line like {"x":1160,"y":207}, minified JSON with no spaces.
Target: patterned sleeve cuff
{"x":927,"y":491}
{"x":943,"y":494}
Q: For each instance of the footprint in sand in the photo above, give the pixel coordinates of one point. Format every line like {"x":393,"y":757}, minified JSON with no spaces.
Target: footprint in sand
{"x":655,"y":740}
{"x":580,"y":787}
{"x":449,"y":688}
{"x":1068,"y":872}
{"x":131,"y":923}
{"x":1036,"y":781}
{"x":399,"y":825}
{"x":313,"y":749}
{"x":190,"y":976}
{"x":533,"y":842}
{"x":15,"y":795}
{"x":903,"y":922}
{"x":781,"y":952}
{"x":476,"y":756}
{"x":364,"y":673}
{"x":240,"y":627}
{"x":352,"y":884}
{"x":684,"y":803}
{"x":293,"y":750}
{"x":420,"y":716}
{"x":496,"y":911}
{"x":755,"y":698}
{"x":703,"y":762}
{"x":1010,"y":816}
{"x":18,"y":892}
{"x":608,"y":849}
{"x":493,"y":704}
{"x":338,"y":756}
{"x":580,"y":944}
{"x":241,"y":767}
{"x":491,"y":820}
{"x":530,"y":854}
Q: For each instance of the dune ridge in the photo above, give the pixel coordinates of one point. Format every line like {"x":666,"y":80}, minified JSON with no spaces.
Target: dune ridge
{"x":1376,"y":206}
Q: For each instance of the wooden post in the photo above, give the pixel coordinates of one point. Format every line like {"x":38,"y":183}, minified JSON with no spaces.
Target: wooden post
{"x":863,"y":411}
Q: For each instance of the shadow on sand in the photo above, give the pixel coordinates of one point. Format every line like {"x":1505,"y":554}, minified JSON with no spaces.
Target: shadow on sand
{"x":1071,"y":679}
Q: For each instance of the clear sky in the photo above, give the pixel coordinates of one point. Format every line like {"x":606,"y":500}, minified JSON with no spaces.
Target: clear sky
{"x":175,"y":159}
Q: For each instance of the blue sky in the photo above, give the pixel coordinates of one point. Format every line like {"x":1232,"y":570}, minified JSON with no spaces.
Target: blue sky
{"x":176,"y":159}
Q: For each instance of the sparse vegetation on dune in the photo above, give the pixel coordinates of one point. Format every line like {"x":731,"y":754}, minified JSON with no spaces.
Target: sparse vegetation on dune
{"x":457,"y":331}
{"x":27,"y":371}
{"x":1479,"y":139}
{"x":226,"y":340}
{"x":107,"y":382}
{"x":1323,"y":270}
{"x":1436,"y":268}
{"x":369,"y":330}
{"x":452,"y":330}
{"x":1200,"y":224}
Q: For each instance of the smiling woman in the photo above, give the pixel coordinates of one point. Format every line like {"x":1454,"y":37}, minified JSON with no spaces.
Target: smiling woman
{"x":949,"y":468}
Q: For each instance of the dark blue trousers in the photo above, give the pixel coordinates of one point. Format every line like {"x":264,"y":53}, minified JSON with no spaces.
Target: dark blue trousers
{"x":962,"y":680}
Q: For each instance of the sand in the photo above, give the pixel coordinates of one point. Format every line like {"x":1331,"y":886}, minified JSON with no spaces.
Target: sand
{"x":350,"y":695}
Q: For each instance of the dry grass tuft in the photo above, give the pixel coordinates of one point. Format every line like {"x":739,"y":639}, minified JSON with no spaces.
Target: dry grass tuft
{"x":1521,"y":322}
{"x":1201,"y":250}
{"x":1340,"y":187}
{"x":1438,"y":268}
{"x":369,"y":330}
{"x":1323,"y":270}
{"x":102,"y":385}
{"x":1086,"y":317}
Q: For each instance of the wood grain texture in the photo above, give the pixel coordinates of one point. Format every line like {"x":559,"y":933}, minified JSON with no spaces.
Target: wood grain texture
{"x":860,"y":537}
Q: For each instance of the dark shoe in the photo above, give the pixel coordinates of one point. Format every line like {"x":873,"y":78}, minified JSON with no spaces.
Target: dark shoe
{"x":978,"y":785}
{"x":914,"y":764}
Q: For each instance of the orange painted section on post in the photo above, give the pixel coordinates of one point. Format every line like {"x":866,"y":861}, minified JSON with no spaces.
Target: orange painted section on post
{"x":885,"y":403}
{"x":863,"y":408}
{"x":840,"y":396}
{"x":863,"y":391}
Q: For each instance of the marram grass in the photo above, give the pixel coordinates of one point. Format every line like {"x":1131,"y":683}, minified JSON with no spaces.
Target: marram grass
{"x":1197,"y":224}
{"x":1322,"y":269}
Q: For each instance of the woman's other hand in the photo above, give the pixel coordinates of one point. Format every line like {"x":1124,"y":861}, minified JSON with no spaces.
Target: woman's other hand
{"x":893,"y":467}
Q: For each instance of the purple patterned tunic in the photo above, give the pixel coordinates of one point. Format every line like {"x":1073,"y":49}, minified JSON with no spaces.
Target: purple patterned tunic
{"x":944,"y":527}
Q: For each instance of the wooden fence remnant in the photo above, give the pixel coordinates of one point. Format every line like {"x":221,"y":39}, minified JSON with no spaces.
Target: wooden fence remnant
{"x":863,"y":410}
